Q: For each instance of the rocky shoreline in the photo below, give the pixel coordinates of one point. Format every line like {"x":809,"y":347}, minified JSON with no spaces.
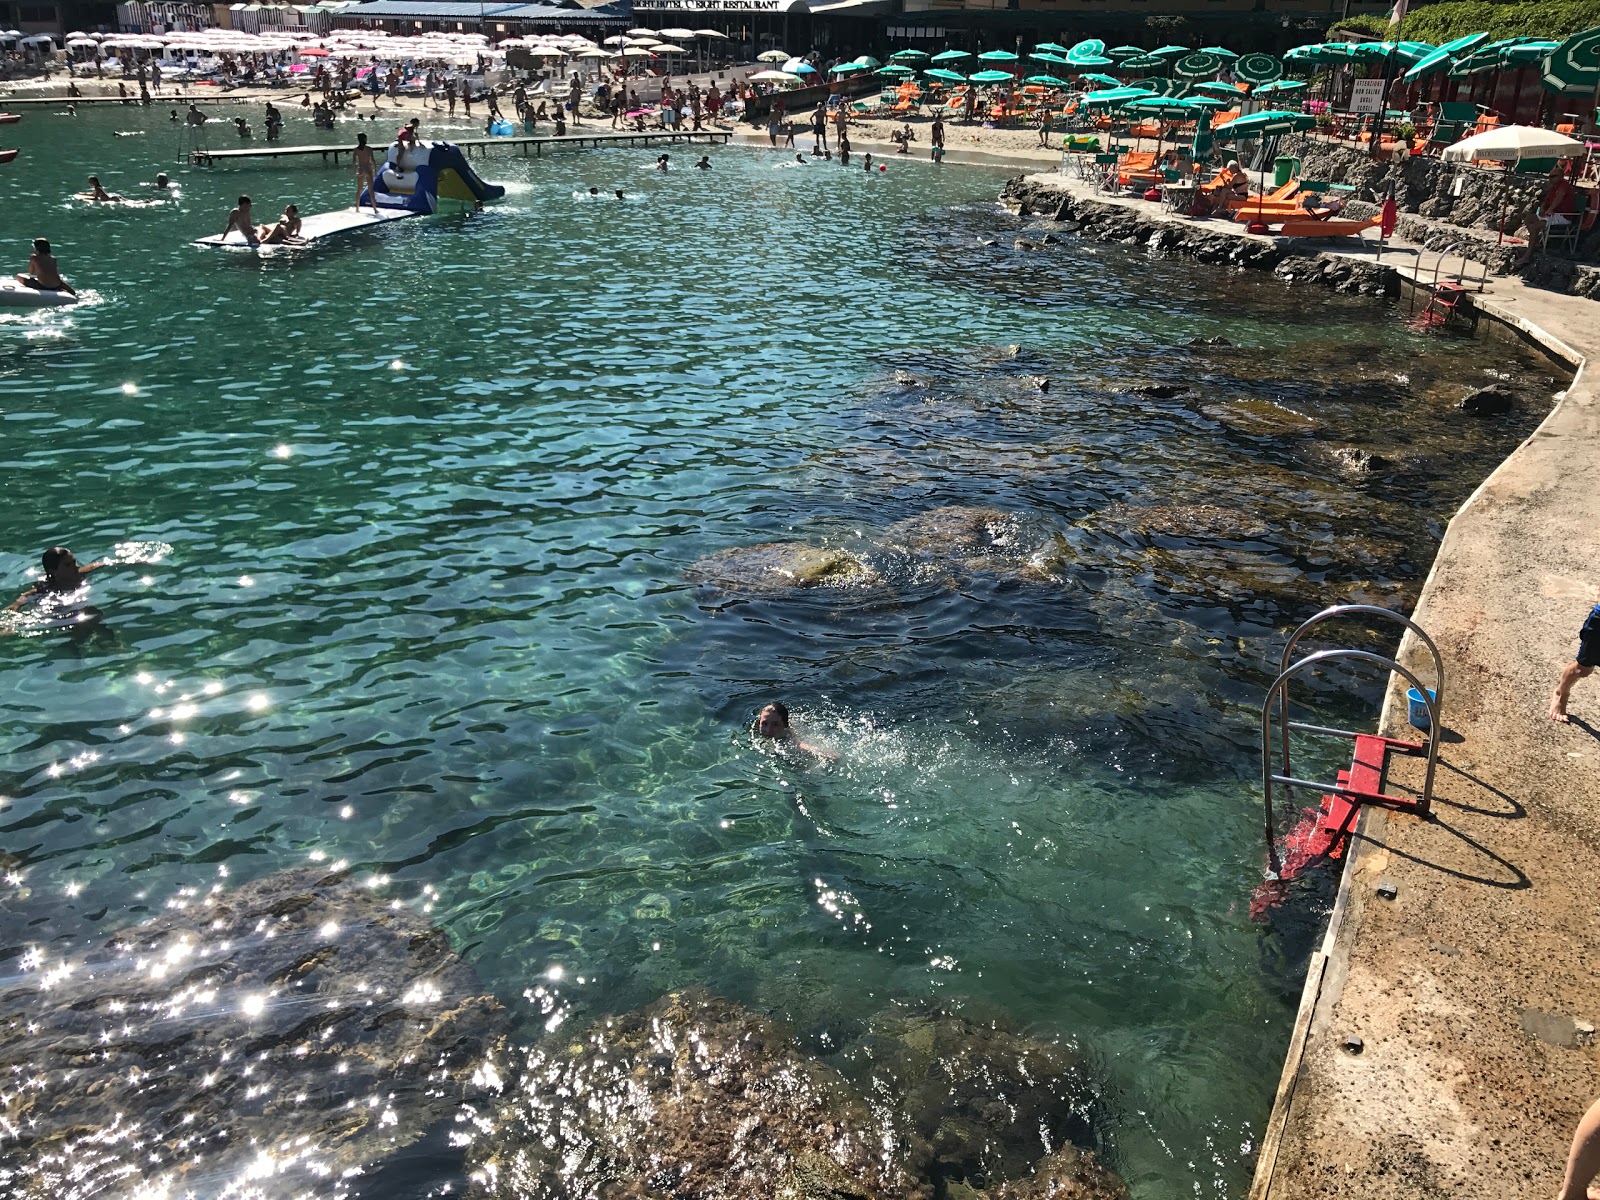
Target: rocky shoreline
{"x":1116,"y":223}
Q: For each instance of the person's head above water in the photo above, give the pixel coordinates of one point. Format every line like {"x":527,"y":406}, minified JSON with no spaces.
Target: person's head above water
{"x":594,"y":191}
{"x":773,"y":721}
{"x":619,"y":193}
{"x":94,"y":181}
{"x":60,"y":565}
{"x":161,"y":179}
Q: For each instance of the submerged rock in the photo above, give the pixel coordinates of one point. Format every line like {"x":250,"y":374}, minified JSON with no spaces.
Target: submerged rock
{"x":990,"y":1103}
{"x":1489,"y":401}
{"x":955,"y":529}
{"x":773,"y":567}
{"x":692,"y":1096}
{"x":297,"y":1028}
{"x":1357,"y":461}
{"x":1067,"y":1174}
{"x":1209,"y":522}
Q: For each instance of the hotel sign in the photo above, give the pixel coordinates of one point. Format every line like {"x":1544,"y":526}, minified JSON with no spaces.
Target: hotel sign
{"x":719,"y":6}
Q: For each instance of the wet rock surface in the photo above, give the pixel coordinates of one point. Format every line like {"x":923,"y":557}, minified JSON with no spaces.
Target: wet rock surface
{"x":776,"y":567}
{"x":691,"y":1096}
{"x":1489,"y":401}
{"x":287,"y":1031}
{"x":1208,"y":522}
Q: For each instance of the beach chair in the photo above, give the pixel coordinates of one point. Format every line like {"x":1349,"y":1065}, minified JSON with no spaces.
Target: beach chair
{"x":1311,"y":228}
{"x":1452,"y":122}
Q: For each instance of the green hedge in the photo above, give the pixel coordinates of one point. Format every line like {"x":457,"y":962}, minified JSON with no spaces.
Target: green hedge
{"x":1439,"y":23}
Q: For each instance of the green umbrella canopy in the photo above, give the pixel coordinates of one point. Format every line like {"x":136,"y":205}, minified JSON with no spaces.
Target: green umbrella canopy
{"x":1108,"y":80}
{"x":945,"y":56}
{"x":1047,"y":81}
{"x":992,"y":77}
{"x":1475,"y":64}
{"x":1225,"y":90}
{"x":1089,"y":46}
{"x":1263,"y":123}
{"x":1219,"y":51}
{"x":1527,"y":52}
{"x":896,"y":70}
{"x":1142,"y":62}
{"x":1091,"y":60}
{"x":846,"y":68}
{"x":1054,"y":60}
{"x":1198,"y":65}
{"x":1442,"y":58}
{"x":1258,"y":68}
{"x":997,"y":56}
{"x":1051,"y":48}
{"x":947,"y":76}
{"x":1178,"y":108}
{"x":866,"y":60}
{"x":1171,"y":51}
{"x":909,"y":56}
{"x":1280,"y":86}
{"x":1115,"y":96}
{"x":1121,"y":52}
{"x":1461,"y":45}
{"x":1574,"y":66}
{"x":1371,"y":51}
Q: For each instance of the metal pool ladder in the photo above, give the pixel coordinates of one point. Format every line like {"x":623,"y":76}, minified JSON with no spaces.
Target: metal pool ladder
{"x":1363,"y":782}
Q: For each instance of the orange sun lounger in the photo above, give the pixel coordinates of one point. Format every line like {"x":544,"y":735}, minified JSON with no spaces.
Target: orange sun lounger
{"x":1316,"y":229}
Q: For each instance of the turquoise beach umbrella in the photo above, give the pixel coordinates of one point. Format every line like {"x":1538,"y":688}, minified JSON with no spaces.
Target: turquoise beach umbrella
{"x":1226,"y":90}
{"x":1142,"y":62}
{"x":1108,"y":80}
{"x":846,"y":68}
{"x":948,"y":56}
{"x":1121,"y":52}
{"x":1258,"y":68}
{"x":1170,"y":51}
{"x":1198,"y":65}
{"x":1219,"y":51}
{"x":1573,"y":67}
{"x":1279,"y":87}
{"x":1047,"y":81}
{"x":1053,"y":59}
{"x":947,"y":76}
{"x":1441,"y":58}
{"x":870,"y":63}
{"x":1051,"y":48}
{"x":1115,"y":96}
{"x":1263,"y":124}
{"x":997,"y":56}
{"x":909,"y":56}
{"x":992,"y":77}
{"x":895,"y":70}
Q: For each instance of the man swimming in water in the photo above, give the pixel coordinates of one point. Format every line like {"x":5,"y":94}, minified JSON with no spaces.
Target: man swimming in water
{"x":772,"y":723}
{"x":162,"y":183}
{"x":62,"y":574}
{"x":239,"y":217}
{"x":43,"y":273}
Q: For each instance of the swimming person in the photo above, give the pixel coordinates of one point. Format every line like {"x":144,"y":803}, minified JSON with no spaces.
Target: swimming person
{"x":99,"y":194}
{"x":62,"y":574}
{"x":43,"y":273}
{"x":661,"y":163}
{"x":239,"y":217}
{"x":704,"y":164}
{"x":364,"y":171}
{"x":162,"y":183}
{"x":772,"y":723}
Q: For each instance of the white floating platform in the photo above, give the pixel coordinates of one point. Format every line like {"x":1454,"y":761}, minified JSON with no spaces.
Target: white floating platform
{"x":315,"y":228}
{"x":14,"y":295}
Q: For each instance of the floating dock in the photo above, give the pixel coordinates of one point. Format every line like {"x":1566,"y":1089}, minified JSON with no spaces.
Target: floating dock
{"x":166,"y":99}
{"x":317,"y":227}
{"x":208,"y":158}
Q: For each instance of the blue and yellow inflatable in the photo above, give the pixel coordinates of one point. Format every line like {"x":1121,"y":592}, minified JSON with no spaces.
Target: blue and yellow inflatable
{"x":417,"y":175}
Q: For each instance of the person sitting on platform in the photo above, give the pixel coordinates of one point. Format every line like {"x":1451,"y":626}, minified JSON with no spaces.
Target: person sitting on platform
{"x":287,"y":229}
{"x":43,"y":273}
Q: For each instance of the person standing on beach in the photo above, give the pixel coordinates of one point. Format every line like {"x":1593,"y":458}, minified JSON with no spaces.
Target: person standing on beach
{"x":575,"y":96}
{"x":364,"y":172}
{"x":819,"y":129}
{"x":1588,"y":659}
{"x":936,"y":139}
{"x":155,"y":77}
{"x":450,"y":94}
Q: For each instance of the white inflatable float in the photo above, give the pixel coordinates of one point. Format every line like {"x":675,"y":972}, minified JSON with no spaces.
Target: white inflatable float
{"x":14,"y":295}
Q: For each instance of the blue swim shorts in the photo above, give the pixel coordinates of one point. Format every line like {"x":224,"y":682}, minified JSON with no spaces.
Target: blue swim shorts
{"x":1589,"y":640}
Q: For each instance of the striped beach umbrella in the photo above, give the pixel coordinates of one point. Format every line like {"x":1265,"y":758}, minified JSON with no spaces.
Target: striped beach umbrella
{"x":1113,"y":96}
{"x":1122,"y":53}
{"x":1090,"y":53}
{"x":1142,"y":62}
{"x":1258,"y":68}
{"x":1264,"y":124}
{"x":1106,"y":80}
{"x":1279,"y":87}
{"x":950,"y":56}
{"x":1219,"y":51}
{"x":909,"y":56}
{"x":1089,"y":47}
{"x":1170,"y":51}
{"x":1198,"y":65}
{"x":1226,"y":90}
{"x":1053,"y":48}
{"x":997,"y":56}
{"x":1048,"y":81}
{"x":1573,"y":67}
{"x":1055,"y":60}
{"x":1441,"y":58}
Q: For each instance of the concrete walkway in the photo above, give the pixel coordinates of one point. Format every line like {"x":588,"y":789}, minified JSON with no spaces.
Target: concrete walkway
{"x":1473,"y":991}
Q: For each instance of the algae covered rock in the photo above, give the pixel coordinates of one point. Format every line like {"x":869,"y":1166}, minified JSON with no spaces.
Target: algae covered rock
{"x":692,"y":1096}
{"x":1205,"y":522}
{"x":289,"y":1031}
{"x":1066,"y":1174}
{"x":775,"y":567}
{"x":956,"y":530}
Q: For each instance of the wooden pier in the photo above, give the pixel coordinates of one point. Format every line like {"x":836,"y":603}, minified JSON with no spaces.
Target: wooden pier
{"x":210,"y":158}
{"x":165,"y":100}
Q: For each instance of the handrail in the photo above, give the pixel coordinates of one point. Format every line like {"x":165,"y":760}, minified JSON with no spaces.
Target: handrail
{"x":1345,"y":610}
{"x":1279,"y":692}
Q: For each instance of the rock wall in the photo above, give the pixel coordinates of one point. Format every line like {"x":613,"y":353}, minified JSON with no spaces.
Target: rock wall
{"x":1117,"y":223}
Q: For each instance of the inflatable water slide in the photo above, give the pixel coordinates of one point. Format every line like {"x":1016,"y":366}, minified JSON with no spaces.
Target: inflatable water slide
{"x":417,"y":175}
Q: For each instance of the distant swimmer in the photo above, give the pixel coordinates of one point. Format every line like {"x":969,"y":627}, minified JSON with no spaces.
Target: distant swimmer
{"x":62,"y":575}
{"x":240,"y":218}
{"x":619,"y":195}
{"x":162,"y":183}
{"x":594,"y":191}
{"x":772,"y":723}
{"x":242,"y":127}
{"x":43,"y":273}
{"x":172,"y":115}
{"x":99,"y":194}
{"x":704,"y":164}
{"x":287,"y":229}
{"x":364,"y":171}
{"x":662,"y":163}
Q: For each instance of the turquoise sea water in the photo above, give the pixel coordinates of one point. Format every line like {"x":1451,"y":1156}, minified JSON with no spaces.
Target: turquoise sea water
{"x":431,"y":494}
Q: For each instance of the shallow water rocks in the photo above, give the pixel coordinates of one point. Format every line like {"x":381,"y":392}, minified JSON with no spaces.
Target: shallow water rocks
{"x":1489,"y":401}
{"x":692,"y":1096}
{"x":954,"y":529}
{"x":776,"y":567}
{"x":1208,"y":522}
{"x":1067,"y":1174}
{"x":292,"y":1029}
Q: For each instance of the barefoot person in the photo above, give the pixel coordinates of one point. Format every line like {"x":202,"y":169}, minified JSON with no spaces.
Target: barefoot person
{"x":240,"y":218}
{"x":1588,"y":659}
{"x":364,"y":172}
{"x":287,"y":228}
{"x":1583,"y":1159}
{"x":43,"y":273}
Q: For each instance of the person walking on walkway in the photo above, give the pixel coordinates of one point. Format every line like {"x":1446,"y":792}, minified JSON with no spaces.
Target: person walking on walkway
{"x":1588,"y":659}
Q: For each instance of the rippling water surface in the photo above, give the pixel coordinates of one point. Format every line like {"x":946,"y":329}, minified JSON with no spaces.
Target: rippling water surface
{"x":431,"y":495}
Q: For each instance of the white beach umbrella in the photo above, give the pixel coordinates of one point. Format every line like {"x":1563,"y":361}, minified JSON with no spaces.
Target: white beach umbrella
{"x":594,"y":53}
{"x":1510,"y":143}
{"x":774,"y":77}
{"x":635,"y":52}
{"x":773,"y":56}
{"x":674,"y":34}
{"x":668,"y":48}
{"x":711,"y":33}
{"x":641,"y":33}
{"x":644,"y":41}
{"x":619,"y":40}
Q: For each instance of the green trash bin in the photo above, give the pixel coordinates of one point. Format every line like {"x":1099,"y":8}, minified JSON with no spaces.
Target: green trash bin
{"x":1284,"y":168}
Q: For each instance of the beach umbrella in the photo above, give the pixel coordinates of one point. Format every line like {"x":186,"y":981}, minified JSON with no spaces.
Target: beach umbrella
{"x":711,"y":33}
{"x":669,"y":48}
{"x":1262,"y":124}
{"x":1219,"y":51}
{"x":1531,"y":51}
{"x":949,"y":56}
{"x":1213,"y":88}
{"x":997,"y":56}
{"x":641,"y":33}
{"x":1142,"y":62}
{"x":1089,"y":54}
{"x":1052,"y":48}
{"x":895,"y":71}
{"x":593,"y":52}
{"x":1258,"y":68}
{"x":1573,"y":67}
{"x":764,"y":56}
{"x":619,"y":40}
{"x":1047,"y":81}
{"x":909,"y":56}
{"x":846,"y":68}
{"x":1279,"y":86}
{"x":1122,"y":52}
{"x":947,"y":76}
{"x":1111,"y":96}
{"x":992,"y":77}
{"x":774,"y":77}
{"x":1511,"y":143}
{"x":867,"y":61}
{"x":1170,"y":51}
{"x":798,"y":66}
{"x":1176,"y":108}
{"x":1475,"y":64}
{"x":1108,"y":80}
{"x":1204,"y":142}
{"x":1439,"y":60}
{"x":1089,"y":46}
{"x":1054,"y":60}
{"x":1198,"y":65}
